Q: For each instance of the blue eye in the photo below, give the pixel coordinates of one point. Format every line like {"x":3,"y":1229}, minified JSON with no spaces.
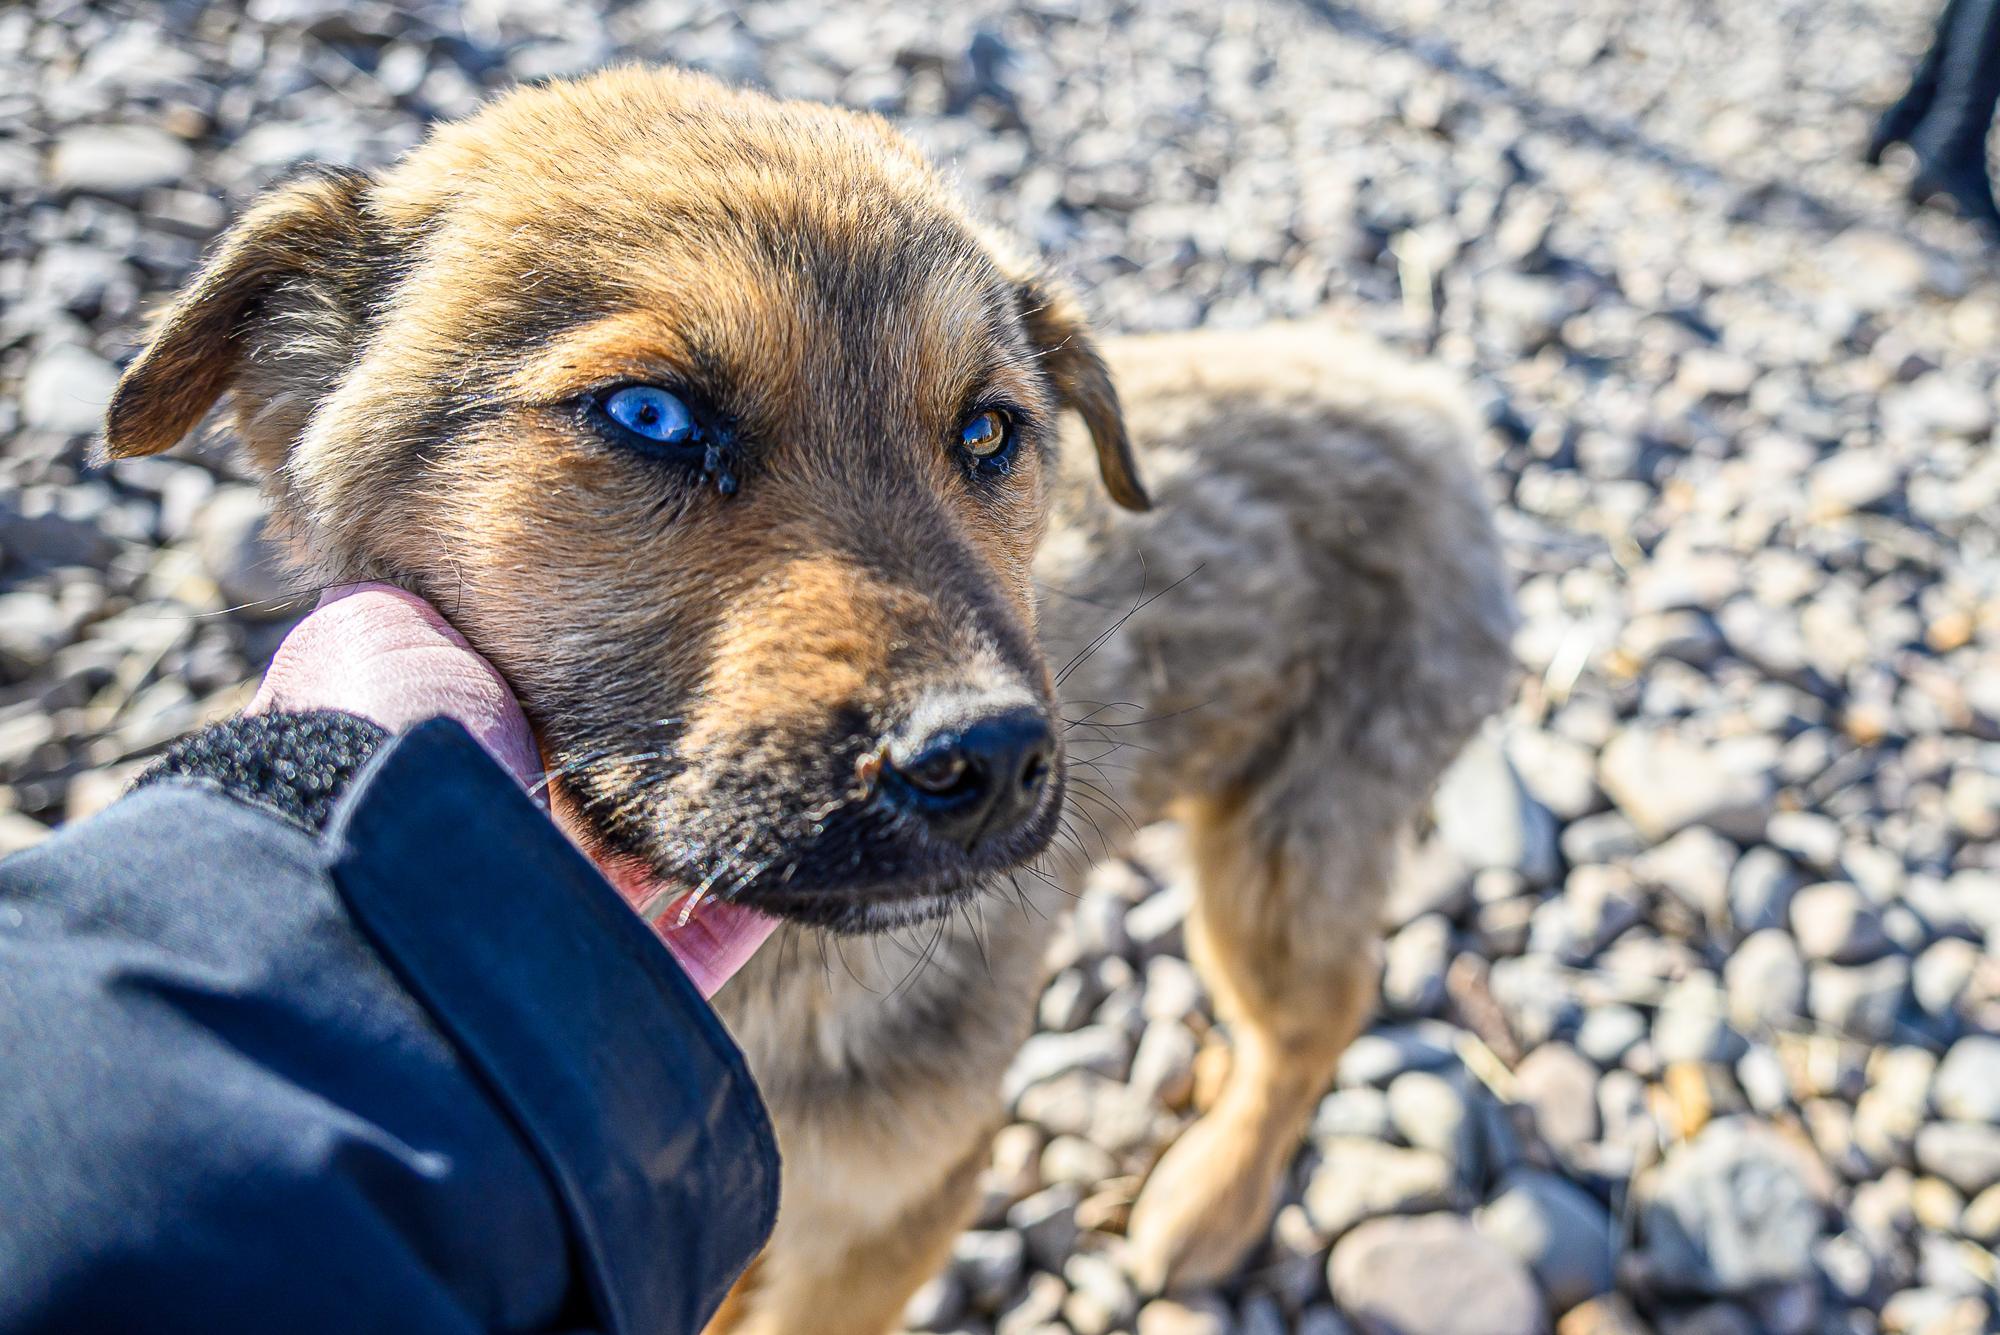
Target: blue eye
{"x":650,"y":412}
{"x":986,"y":435}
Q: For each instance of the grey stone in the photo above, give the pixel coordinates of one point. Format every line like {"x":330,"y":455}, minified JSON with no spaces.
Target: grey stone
{"x":1163,"y":1065}
{"x":1075,"y":1161}
{"x":1558,"y":1230}
{"x":1967,"y":1087}
{"x":1665,"y":782}
{"x":1414,"y":966}
{"x":1560,"y":1084}
{"x":1046,"y":1223}
{"x":1101,"y":1297}
{"x":1812,"y":839}
{"x":1965,"y":1154}
{"x":1608,"y":836}
{"x":1433,"y":1273}
{"x":1862,"y":1001}
{"x":1096,"y":1048}
{"x":1694,"y":866}
{"x":1035,"y":1311}
{"x":1766,"y":982}
{"x":1155,"y":923}
{"x":33,"y":627}
{"x":1834,"y":921}
{"x":118,"y":160}
{"x":1734,"y":1210}
{"x":1559,"y":772}
{"x":988,"y":1264}
{"x":1362,"y":1179}
{"x":1192,"y":1315}
{"x":1486,"y":816}
{"x":1761,"y":886}
{"x":1692,"y":1024}
{"x":1379,"y":1056}
{"x":937,"y":1304}
{"x":66,"y":389}
{"x":1431,"y":1113}
{"x":1173,"y":992}
{"x":1609,"y":1031}
{"x":1361,"y":1113}
{"x":1981,"y":1220}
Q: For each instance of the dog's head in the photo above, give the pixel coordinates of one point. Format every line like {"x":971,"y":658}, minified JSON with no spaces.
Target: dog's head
{"x":720,"y":428}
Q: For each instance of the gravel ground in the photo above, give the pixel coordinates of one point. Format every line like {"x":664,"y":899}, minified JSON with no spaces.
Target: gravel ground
{"x":1687,"y":1004}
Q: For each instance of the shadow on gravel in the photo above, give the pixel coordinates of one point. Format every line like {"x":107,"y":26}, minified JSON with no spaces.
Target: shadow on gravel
{"x":1766,"y":201}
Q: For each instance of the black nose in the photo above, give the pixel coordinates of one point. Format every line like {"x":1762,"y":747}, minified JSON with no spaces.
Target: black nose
{"x":973,"y":775}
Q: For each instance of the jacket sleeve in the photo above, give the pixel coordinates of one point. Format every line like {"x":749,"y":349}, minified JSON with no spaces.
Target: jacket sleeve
{"x":419,"y":1070}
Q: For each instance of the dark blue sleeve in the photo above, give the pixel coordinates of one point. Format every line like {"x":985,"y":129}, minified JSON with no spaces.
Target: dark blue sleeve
{"x":421,"y":1072}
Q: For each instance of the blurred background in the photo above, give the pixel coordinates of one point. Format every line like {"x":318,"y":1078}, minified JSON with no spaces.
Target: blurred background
{"x":1686,"y":1006}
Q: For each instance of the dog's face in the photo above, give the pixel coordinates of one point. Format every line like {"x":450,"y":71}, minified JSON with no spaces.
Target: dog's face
{"x":719,"y":428}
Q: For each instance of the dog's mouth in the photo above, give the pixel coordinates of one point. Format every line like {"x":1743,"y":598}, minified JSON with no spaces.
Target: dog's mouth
{"x":735,"y":866}
{"x":709,"y":936}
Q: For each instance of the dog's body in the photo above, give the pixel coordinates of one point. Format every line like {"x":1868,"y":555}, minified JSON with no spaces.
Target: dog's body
{"x":1321,"y":619}
{"x":722,"y":431}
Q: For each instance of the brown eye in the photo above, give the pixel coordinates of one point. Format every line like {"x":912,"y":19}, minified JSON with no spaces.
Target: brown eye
{"x":986,"y":434}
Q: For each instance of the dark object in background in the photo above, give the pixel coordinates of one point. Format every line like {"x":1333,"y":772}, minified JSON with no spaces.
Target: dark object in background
{"x":1948,"y":109}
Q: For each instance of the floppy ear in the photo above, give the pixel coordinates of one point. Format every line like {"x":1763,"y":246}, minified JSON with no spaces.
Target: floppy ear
{"x":1056,"y":324}
{"x":301,"y":231}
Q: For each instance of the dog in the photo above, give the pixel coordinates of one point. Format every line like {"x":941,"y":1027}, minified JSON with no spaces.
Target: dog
{"x":801,"y":513}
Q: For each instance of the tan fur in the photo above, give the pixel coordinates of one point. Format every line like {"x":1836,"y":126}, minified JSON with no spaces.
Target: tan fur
{"x":1285,"y":650}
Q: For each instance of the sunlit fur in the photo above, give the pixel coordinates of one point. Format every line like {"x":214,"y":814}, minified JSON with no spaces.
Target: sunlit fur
{"x":1284,"y":652}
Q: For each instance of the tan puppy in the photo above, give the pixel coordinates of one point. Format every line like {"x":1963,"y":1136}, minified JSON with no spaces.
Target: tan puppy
{"x":723,"y":431}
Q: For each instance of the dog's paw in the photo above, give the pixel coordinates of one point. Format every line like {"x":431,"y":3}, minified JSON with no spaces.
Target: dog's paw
{"x":1207,"y":1203}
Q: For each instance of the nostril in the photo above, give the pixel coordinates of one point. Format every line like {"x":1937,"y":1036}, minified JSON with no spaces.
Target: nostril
{"x":1035,"y":769}
{"x":942,"y":771}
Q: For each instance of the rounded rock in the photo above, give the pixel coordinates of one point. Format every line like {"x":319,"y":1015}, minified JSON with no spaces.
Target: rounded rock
{"x":1434,"y":1273}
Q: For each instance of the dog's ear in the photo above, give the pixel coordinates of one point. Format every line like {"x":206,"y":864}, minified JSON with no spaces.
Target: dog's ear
{"x":303,"y":231}
{"x":1056,"y":324}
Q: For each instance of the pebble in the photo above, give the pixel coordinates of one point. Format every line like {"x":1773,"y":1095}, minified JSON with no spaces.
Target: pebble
{"x":1611,"y":1314}
{"x":1430,"y":1113}
{"x":1766,"y":981}
{"x":1665,"y":783}
{"x":1434,"y":1273}
{"x":988,"y":1264}
{"x":66,"y":389}
{"x":1489,"y":819}
{"x":1761,"y":886}
{"x":118,"y":160}
{"x":1980,"y":1221}
{"x":1363,"y":1179}
{"x":1163,"y":1066}
{"x":1192,"y":1316}
{"x":1098,"y":1049}
{"x":1414,"y":966}
{"x":1731,"y":1211}
{"x":1862,"y":1001}
{"x":1046,"y":1223}
{"x":1967,"y":1086}
{"x":1558,"y":1230}
{"x":1558,"y":1083}
{"x":1965,"y":1154}
{"x":1833,"y":921}
{"x":1943,"y":974}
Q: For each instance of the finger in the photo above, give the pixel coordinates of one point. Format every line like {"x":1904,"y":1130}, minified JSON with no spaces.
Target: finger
{"x":386,"y":655}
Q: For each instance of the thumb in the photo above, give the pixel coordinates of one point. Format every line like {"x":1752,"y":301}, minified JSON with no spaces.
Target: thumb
{"x":386,"y":655}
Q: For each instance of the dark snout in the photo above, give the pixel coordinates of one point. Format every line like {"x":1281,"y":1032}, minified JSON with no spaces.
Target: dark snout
{"x":972,"y":769}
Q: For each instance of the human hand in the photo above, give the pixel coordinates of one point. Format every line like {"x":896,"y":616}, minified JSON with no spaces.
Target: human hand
{"x":387,"y":656}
